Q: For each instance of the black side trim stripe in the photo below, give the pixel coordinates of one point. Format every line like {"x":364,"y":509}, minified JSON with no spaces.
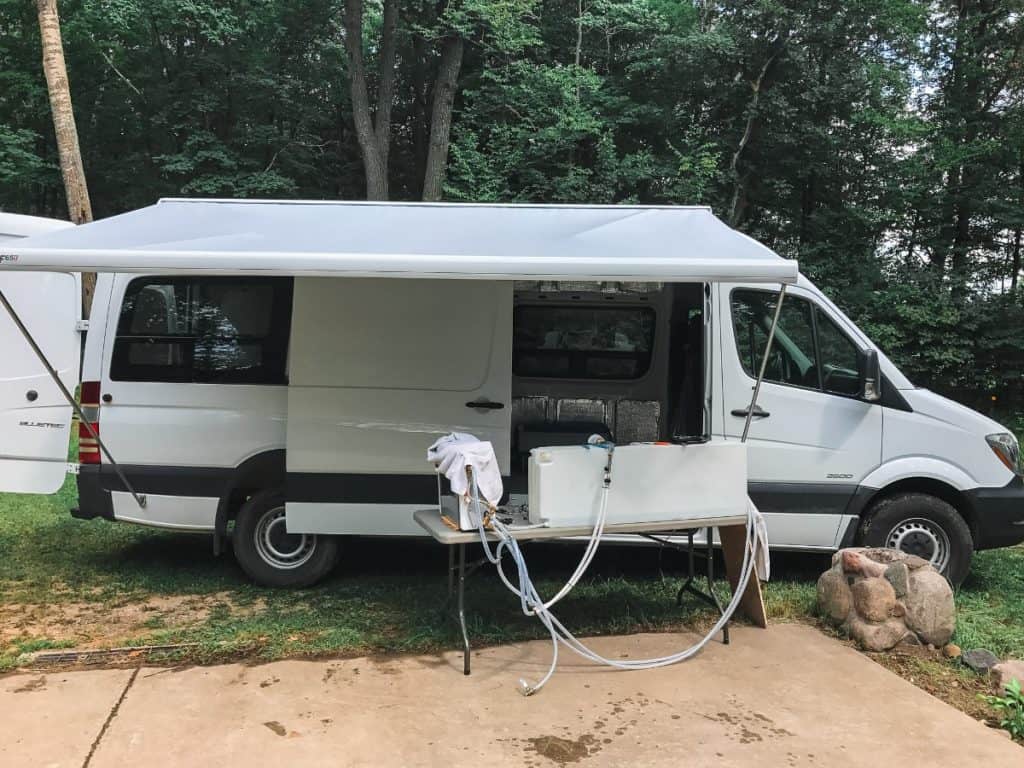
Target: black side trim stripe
{"x":803,"y":498}
{"x":165,"y":481}
{"x":361,"y":488}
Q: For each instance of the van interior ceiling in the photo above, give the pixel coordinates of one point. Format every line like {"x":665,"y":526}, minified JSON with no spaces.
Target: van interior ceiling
{"x":623,"y":360}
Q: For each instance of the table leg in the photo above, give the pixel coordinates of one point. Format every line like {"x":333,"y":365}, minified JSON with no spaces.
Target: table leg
{"x":451,"y":574}
{"x":688,"y":587}
{"x":691,"y":572}
{"x":710,"y":557}
{"x":462,"y":609}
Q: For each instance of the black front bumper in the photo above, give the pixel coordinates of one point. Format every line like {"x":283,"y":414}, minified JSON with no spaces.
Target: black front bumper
{"x":998,"y":515}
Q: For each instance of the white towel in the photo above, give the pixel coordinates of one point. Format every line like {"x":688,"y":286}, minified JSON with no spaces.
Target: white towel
{"x":456,"y":451}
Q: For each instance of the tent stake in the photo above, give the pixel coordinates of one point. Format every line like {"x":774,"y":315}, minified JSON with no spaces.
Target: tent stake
{"x":764,"y":364}
{"x":139,"y":498}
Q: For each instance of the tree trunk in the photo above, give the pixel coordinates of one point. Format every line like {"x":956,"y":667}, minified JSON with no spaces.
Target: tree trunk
{"x":738,"y":206}
{"x":441,"y":117}
{"x":374,"y":139}
{"x":420,"y":109}
{"x":71,"y":168}
{"x":1015,"y":261}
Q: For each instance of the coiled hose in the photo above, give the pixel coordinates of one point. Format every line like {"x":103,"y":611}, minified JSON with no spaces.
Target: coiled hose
{"x":532,"y":604}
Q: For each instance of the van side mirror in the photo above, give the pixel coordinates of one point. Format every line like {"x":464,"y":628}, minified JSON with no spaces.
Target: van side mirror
{"x":870,"y":376}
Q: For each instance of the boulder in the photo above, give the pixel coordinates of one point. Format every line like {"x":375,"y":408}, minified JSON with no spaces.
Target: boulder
{"x":874,"y":599}
{"x":834,"y":596}
{"x":930,"y":610}
{"x":877,"y":637}
{"x":1006,"y":671}
{"x":882,"y":597}
{"x":979,"y":659}
{"x":898,"y":575}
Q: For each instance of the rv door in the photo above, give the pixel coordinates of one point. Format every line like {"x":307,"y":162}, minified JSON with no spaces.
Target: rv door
{"x":35,"y":420}
{"x":378,"y":370}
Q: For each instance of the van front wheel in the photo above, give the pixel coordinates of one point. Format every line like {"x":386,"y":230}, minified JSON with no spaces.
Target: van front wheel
{"x":922,"y":525}
{"x":272,"y":556}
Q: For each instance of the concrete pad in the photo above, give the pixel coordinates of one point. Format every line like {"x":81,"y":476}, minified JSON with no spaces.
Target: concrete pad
{"x":52,"y":720}
{"x":786,"y":696}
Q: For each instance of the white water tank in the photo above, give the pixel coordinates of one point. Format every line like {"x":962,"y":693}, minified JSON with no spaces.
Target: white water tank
{"x":649,"y":483}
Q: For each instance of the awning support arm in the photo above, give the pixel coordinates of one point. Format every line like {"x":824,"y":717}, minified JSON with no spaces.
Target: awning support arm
{"x":764,"y":364}
{"x":139,"y":498}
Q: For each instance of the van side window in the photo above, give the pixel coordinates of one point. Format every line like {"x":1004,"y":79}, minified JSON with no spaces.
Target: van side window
{"x":793,"y":360}
{"x":209,"y":330}
{"x":840,"y":358}
{"x":809,"y":348}
{"x":582,"y":342}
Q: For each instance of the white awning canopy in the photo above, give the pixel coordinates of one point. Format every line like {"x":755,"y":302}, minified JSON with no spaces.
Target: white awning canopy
{"x":16,"y":226}
{"x":412,"y":240}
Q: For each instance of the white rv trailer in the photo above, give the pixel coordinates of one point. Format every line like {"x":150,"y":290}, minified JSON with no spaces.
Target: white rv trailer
{"x":259,"y":362}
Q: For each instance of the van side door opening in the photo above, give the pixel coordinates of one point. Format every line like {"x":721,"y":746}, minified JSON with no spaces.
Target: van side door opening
{"x":627,"y":363}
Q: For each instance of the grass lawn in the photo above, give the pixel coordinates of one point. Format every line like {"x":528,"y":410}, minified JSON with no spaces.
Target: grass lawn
{"x":94,"y":584}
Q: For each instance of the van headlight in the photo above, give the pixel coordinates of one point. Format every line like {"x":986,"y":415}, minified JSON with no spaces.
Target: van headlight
{"x":1007,"y":449}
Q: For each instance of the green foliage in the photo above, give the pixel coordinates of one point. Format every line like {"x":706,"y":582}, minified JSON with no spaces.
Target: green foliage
{"x":880,"y":142}
{"x":1010,"y":709}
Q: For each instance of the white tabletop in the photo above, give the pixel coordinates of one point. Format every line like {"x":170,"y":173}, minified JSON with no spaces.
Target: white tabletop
{"x":430,"y":521}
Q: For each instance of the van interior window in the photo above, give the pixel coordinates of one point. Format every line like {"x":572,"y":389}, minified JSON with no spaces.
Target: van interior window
{"x":582,"y":342}
{"x":204,"y":330}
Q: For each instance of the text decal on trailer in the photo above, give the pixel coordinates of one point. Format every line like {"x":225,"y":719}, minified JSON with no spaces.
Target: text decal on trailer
{"x":8,"y":257}
{"x":47,"y":424}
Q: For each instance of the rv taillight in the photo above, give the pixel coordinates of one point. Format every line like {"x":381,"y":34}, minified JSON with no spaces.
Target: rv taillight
{"x":88,"y":448}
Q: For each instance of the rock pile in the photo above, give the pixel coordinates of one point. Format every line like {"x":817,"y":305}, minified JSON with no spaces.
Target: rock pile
{"x":882,"y":597}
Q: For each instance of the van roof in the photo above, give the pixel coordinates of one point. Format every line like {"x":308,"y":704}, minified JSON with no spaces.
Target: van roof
{"x":420,"y":240}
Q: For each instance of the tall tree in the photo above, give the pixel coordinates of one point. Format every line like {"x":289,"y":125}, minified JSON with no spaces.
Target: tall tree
{"x":441,"y":115}
{"x":71,"y":168}
{"x":373,"y":128}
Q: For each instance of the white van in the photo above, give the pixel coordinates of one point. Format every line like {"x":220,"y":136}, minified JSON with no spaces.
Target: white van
{"x":202,"y":387}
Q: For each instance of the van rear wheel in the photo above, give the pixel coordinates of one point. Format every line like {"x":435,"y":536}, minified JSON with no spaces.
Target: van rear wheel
{"x":923,"y":525}
{"x":272,"y":556}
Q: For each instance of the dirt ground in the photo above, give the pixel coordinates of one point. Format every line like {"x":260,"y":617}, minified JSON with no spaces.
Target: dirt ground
{"x":82,"y":626}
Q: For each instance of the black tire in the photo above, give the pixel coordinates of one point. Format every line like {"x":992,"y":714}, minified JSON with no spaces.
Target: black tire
{"x":272,"y":557}
{"x":922,"y":525}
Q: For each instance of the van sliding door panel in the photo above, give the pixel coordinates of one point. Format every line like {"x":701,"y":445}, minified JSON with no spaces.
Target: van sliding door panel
{"x":380,"y":368}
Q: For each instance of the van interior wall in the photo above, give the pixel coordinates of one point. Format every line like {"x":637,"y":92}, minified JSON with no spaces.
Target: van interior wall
{"x":624,"y":359}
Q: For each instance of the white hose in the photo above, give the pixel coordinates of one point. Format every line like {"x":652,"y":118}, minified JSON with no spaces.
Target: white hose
{"x":533,"y":605}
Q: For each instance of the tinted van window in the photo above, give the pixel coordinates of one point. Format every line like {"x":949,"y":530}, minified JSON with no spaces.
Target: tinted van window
{"x":809,"y":349}
{"x":209,"y":330}
{"x":581,"y":342}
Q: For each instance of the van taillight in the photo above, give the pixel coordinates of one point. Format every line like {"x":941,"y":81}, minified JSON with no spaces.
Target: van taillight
{"x":88,"y":448}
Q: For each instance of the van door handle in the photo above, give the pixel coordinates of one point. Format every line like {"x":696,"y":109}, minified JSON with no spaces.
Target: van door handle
{"x":759,"y":412}
{"x":486,"y":405}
